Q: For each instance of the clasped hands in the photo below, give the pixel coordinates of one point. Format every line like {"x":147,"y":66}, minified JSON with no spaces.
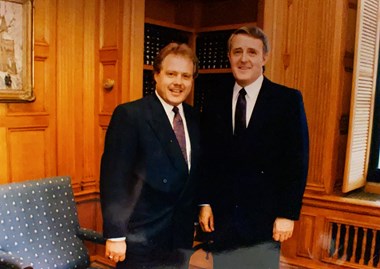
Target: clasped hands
{"x":116,"y":250}
{"x":282,"y":227}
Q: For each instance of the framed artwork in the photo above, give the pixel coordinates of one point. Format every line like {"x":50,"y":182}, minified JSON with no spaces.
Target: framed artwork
{"x":16,"y":51}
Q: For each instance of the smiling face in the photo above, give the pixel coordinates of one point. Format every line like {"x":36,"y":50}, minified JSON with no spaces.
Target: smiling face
{"x":247,"y":58}
{"x":175,"y":79}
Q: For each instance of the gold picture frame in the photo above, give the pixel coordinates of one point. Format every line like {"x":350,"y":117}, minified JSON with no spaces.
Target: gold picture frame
{"x":16,"y":51}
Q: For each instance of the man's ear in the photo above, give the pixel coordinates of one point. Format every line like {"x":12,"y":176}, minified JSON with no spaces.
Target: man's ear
{"x":265,"y":58}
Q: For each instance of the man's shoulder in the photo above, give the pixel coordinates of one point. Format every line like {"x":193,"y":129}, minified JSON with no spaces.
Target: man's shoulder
{"x":136,"y":104}
{"x":280,"y":89}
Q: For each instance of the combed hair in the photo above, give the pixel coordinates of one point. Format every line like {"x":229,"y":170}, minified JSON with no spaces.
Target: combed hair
{"x":255,"y":32}
{"x":176,"y":49}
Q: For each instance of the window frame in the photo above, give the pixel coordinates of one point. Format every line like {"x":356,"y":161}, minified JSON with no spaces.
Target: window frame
{"x":374,"y":166}
{"x":363,"y":95}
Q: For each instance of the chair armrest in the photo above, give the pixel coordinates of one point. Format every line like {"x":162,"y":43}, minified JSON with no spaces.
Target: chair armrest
{"x":91,"y":235}
{"x":8,"y":260}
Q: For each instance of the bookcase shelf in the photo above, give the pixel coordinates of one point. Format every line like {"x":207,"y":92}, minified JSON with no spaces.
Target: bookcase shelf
{"x":206,"y":34}
{"x":224,"y":27}
{"x":215,"y":71}
{"x":157,"y":36}
{"x":168,"y":25}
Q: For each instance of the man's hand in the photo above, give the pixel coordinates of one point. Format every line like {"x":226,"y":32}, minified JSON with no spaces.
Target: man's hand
{"x":206,"y":218}
{"x":282,"y":229}
{"x":116,"y":250}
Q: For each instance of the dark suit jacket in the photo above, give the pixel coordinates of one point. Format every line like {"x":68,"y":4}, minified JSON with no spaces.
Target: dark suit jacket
{"x":252,"y":179}
{"x":147,"y":192}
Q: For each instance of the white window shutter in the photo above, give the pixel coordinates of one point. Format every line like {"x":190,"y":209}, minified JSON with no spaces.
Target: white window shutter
{"x":363,"y":94}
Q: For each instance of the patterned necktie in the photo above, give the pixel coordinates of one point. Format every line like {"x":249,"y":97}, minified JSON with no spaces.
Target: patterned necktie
{"x":179,"y":131}
{"x":240,"y":113}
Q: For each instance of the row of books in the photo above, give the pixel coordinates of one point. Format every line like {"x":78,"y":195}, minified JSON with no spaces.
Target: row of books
{"x":211,"y":47}
{"x":149,"y":85}
{"x":156,"y":37}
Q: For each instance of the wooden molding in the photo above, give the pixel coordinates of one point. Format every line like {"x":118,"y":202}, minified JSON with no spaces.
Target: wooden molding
{"x":372,"y":187}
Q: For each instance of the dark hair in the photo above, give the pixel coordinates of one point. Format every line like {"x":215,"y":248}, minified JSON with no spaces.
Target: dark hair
{"x":255,"y":32}
{"x":176,"y":49}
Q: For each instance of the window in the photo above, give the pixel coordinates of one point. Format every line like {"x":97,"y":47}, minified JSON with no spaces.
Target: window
{"x":374,"y":159}
{"x":363,"y":95}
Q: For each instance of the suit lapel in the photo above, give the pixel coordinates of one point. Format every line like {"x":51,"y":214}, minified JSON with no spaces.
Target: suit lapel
{"x":193,"y":129}
{"x":224,"y":112}
{"x":161,"y":126}
{"x":260,"y":111}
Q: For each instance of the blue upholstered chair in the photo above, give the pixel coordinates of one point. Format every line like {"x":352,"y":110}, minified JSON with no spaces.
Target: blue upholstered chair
{"x":39,"y":226}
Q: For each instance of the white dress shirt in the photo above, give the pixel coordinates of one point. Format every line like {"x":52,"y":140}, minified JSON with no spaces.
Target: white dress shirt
{"x":252,"y":90}
{"x":169,"y":112}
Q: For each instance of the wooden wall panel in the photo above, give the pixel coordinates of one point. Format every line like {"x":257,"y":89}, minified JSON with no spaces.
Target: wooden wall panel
{"x":323,"y":230}
{"x":70,"y":87}
{"x":109,"y":98}
{"x":109,"y":49}
{"x":4,"y":160}
{"x":28,"y":129}
{"x":133,"y":43}
{"x":110,"y":28}
{"x":27,"y":150}
{"x":309,"y":43}
{"x":120,"y":58}
{"x":76,"y":95}
{"x":306,"y":232}
{"x":350,"y":8}
{"x":215,"y":13}
{"x":90,"y":152}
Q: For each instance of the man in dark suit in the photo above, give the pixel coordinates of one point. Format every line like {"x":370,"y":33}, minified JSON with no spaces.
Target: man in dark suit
{"x":255,"y":159}
{"x":148,"y":170}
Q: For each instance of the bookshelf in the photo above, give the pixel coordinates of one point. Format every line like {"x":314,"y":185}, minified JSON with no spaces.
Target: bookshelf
{"x":156,"y":36}
{"x":203,"y":32}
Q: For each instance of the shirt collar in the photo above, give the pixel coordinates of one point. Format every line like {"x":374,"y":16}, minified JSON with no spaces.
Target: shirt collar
{"x":169,"y":108}
{"x":251,"y":89}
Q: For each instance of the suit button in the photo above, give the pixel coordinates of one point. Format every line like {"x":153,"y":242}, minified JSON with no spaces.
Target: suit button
{"x":165,"y":180}
{"x":236,"y":206}
{"x":262,"y":172}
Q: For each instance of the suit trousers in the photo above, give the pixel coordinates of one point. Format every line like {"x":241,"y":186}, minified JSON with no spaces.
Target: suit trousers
{"x":176,"y":259}
{"x":265,"y":255}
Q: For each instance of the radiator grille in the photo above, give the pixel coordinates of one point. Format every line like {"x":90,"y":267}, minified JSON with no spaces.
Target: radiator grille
{"x":353,"y":245}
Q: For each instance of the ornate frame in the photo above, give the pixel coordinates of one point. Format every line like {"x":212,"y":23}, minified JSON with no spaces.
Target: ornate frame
{"x":16,"y":51}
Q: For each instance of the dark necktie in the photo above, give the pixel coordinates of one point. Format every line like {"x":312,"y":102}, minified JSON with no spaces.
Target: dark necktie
{"x":240,"y":113}
{"x":179,"y":131}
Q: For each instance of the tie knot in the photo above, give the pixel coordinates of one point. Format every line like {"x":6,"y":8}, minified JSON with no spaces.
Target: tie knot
{"x":175,"y":110}
{"x":242,"y":92}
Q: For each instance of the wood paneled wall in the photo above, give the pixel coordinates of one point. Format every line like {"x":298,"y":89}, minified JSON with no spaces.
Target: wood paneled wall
{"x":312,"y":46}
{"x":79,"y":44}
{"x":28,"y":131}
{"x":312,"y":50}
